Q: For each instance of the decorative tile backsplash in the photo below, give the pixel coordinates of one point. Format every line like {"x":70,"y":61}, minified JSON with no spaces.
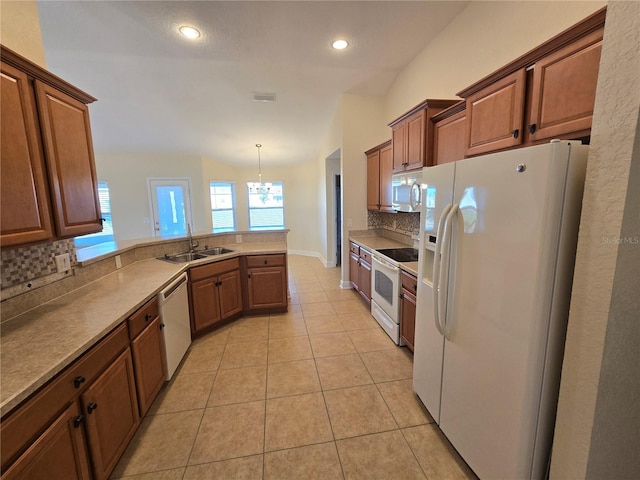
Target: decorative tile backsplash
{"x":24,"y":264}
{"x":401,"y":222}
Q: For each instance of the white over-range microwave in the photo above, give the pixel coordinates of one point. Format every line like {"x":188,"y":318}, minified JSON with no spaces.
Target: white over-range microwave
{"x":406,"y":191}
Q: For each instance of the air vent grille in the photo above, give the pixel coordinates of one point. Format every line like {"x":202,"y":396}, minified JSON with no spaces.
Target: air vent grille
{"x":264,"y":97}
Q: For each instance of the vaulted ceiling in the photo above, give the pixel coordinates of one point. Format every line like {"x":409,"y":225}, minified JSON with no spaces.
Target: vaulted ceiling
{"x":159,"y":92}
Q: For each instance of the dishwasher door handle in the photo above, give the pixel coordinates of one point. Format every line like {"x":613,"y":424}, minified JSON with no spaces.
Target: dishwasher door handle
{"x":166,"y":293}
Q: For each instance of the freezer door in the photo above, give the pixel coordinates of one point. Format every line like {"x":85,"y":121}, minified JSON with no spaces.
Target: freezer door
{"x":437,"y":194}
{"x":503,"y":251}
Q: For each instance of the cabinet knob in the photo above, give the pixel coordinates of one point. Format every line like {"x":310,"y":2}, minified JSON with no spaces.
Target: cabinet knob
{"x":79,"y":420}
{"x":91,"y":407}
{"x":415,"y":287}
{"x":249,"y":275}
{"x":532,"y":128}
{"x":515,"y":132}
{"x":78,"y":381}
{"x":265,"y":262}
{"x":148,"y":317}
{"x":161,"y":326}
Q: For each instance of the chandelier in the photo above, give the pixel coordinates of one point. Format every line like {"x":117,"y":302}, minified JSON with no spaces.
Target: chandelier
{"x":259,"y":186}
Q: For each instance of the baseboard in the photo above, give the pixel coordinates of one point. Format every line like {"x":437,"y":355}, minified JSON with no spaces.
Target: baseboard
{"x":307,"y":253}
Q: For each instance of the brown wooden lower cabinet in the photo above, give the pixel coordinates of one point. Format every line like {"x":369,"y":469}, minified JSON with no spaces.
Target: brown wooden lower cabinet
{"x":215,"y":293}
{"x":408,"y":309}
{"x":60,"y":453}
{"x":110,"y":407}
{"x":150,"y":363}
{"x":360,"y":271}
{"x":266,"y":282}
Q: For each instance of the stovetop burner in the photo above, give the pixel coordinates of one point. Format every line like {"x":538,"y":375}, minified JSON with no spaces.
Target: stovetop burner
{"x":400,"y":254}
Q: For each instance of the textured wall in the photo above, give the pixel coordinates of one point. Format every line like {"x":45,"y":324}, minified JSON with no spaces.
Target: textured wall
{"x":599,"y":389}
{"x":20,"y":29}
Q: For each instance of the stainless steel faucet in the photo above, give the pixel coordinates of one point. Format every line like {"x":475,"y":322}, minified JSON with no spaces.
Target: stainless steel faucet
{"x":192,"y":246}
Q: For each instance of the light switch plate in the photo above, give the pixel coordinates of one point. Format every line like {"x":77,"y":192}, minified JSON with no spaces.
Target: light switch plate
{"x":63,"y":263}
{"x":118,"y":262}
{"x":238,"y":238}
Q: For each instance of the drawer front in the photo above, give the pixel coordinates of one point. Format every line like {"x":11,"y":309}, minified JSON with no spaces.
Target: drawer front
{"x":34,"y":416}
{"x":355,"y":248}
{"x":213,"y":269}
{"x":365,"y":255}
{"x":265,"y":260}
{"x":409,"y":282}
{"x":143,"y":317}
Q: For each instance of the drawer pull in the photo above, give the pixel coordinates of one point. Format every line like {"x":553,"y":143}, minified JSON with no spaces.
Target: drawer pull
{"x":515,"y":132}
{"x":265,"y":262}
{"x":91,"y":407}
{"x":78,"y":381}
{"x":79,"y":420}
{"x":532,"y":128}
{"x":148,"y":317}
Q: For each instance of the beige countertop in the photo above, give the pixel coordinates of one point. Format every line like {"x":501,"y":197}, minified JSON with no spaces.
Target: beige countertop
{"x":376,"y":242}
{"x":40,"y":343}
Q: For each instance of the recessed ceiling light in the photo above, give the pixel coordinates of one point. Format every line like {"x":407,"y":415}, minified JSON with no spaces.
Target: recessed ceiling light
{"x":189,"y":32}
{"x":340,"y":44}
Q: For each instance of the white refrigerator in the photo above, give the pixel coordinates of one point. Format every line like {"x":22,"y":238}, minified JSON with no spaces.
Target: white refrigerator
{"x":497,"y":250}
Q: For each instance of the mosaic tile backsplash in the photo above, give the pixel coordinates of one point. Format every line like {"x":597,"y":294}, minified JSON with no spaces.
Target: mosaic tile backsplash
{"x":401,"y":222}
{"x":24,"y":264}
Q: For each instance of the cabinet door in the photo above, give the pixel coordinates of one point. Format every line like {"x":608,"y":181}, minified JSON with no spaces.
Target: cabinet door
{"x":399,"y":146}
{"x":24,"y":198}
{"x":408,"y":319}
{"x":58,"y":454}
{"x":267,"y":287}
{"x":354,"y":271}
{"x":386,"y":170}
{"x":495,"y":115}
{"x":230,"y":293}
{"x":450,"y":135}
{"x":204,"y":303}
{"x":69,"y":155}
{"x":373,"y":180}
{"x":415,"y":141}
{"x":111,"y":410}
{"x":150,"y":364}
{"x":365,"y":281}
{"x":564,"y":89}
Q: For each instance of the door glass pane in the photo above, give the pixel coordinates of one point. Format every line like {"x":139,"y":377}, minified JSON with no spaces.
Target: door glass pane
{"x":171,"y":212}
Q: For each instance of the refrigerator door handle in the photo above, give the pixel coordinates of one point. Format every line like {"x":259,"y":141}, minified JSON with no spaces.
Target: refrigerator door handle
{"x":436,"y":267}
{"x":444,"y":272}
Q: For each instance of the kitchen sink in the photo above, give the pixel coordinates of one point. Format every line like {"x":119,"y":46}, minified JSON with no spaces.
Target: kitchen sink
{"x":191,"y":256}
{"x":215,"y":251}
{"x":183,"y":257}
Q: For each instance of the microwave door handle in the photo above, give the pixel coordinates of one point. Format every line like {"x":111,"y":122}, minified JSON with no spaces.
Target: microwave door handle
{"x":444,"y":272}
{"x":416,"y":204}
{"x":436,"y":267}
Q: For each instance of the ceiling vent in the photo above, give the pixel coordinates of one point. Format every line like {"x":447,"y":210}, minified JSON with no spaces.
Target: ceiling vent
{"x":264,"y":97}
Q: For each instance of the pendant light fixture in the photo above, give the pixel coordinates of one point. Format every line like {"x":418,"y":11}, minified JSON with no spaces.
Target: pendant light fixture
{"x":259,"y":186}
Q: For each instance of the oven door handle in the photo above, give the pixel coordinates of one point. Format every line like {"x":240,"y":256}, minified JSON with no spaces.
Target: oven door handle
{"x":386,"y":264}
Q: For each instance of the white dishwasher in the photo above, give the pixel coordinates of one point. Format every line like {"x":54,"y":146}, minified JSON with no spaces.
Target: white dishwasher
{"x":174,"y":310}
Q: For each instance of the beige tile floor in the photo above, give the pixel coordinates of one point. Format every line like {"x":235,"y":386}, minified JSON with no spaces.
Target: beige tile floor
{"x":318,"y":393}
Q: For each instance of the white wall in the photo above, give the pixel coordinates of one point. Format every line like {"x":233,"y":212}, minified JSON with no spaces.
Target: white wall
{"x":127,"y":176}
{"x":301,"y":190}
{"x":20,"y":29}
{"x":481,"y":39}
{"x":598,"y":422}
{"x":363,"y":127}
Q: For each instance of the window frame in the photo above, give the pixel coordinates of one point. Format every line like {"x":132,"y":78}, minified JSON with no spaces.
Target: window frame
{"x":250,"y":208}
{"x":232,"y":209}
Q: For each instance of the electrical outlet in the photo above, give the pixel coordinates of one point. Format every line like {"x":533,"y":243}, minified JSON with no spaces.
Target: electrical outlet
{"x":238,"y":238}
{"x":63,"y":263}
{"x":118,"y":262}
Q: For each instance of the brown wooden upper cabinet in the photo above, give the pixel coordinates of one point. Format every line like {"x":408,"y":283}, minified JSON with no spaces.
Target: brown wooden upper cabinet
{"x":412,"y":135}
{"x":48,"y":184}
{"x":379,"y":170}
{"x":546,"y":93}
{"x":450,"y":134}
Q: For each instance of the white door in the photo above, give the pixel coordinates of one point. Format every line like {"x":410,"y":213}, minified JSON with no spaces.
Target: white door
{"x":437,"y":193}
{"x":170,"y":206}
{"x":504,"y":251}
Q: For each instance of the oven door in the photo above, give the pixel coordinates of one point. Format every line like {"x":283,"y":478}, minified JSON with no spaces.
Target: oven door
{"x":385,"y":290}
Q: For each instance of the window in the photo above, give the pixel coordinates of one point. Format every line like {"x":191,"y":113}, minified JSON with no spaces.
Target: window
{"x":106,"y":235}
{"x":266,"y":208}
{"x":222,"y":206}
